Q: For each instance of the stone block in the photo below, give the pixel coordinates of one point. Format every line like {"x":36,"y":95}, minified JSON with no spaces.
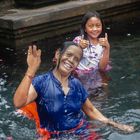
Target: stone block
{"x":36,"y":3}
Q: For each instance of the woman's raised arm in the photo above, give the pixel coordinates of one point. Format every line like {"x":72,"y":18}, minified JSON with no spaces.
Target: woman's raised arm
{"x":25,"y":93}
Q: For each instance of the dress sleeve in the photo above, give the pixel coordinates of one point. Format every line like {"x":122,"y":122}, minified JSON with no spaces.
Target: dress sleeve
{"x":83,"y":92}
{"x":77,"y":39}
{"x":37,"y":83}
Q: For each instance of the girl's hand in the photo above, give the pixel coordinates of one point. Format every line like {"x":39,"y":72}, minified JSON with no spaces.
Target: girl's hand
{"x":83,"y":43}
{"x":33,"y":59}
{"x":104,"y":41}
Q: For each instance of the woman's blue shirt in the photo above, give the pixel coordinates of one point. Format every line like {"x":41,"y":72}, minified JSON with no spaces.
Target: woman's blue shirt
{"x":57,"y":111}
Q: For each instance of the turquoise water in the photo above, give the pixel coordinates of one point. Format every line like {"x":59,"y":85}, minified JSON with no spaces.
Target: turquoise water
{"x":122,"y":102}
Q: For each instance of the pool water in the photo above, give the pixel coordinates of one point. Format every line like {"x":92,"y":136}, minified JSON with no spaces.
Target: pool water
{"x":122,"y":102}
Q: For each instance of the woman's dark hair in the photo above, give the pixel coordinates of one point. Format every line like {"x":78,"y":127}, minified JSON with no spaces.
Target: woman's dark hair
{"x":66,"y":45}
{"x":86,"y":17}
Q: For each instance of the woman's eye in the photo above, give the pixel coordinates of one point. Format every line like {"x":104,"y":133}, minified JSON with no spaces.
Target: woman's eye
{"x":76,"y":59}
{"x":68,"y":54}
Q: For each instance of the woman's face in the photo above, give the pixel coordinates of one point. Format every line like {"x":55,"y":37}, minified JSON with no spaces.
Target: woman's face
{"x":70,"y":59}
{"x":93,"y":27}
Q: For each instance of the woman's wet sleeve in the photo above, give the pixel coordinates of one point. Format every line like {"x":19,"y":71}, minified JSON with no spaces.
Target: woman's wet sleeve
{"x":84,"y":92}
{"x":36,"y":82}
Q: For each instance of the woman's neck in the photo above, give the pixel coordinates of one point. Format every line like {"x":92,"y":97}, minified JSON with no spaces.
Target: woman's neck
{"x":62,"y":78}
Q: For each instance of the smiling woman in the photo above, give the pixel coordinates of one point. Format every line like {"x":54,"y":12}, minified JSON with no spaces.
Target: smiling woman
{"x":61,"y":100}
{"x":68,"y":60}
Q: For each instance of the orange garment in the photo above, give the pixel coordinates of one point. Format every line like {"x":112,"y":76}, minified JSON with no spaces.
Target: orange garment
{"x":30,"y":111}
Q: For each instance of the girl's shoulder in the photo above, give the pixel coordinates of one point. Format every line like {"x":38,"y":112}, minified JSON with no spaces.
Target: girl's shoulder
{"x":77,"y":39}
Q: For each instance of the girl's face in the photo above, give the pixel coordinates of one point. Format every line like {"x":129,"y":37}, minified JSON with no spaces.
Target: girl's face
{"x":70,"y":60}
{"x":93,"y":27}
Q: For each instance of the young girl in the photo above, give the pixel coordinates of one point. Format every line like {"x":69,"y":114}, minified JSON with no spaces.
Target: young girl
{"x":61,"y":100}
{"x":96,"y":51}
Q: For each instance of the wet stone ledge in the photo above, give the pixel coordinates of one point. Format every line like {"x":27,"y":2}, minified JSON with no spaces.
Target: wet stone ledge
{"x":37,"y":3}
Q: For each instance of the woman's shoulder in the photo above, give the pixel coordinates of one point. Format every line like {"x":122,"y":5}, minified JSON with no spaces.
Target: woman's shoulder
{"x":76,"y":81}
{"x":77,"y":84}
{"x":42,"y":76}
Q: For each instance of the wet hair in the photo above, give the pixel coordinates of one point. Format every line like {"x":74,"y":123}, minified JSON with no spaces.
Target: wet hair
{"x":63,"y":48}
{"x":86,"y":17}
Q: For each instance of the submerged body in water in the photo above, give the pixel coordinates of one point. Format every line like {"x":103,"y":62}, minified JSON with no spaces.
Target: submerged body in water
{"x":62,"y":101}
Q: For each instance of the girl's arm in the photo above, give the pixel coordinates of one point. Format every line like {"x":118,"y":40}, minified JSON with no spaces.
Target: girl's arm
{"x":106,"y":53}
{"x":25,"y":93}
{"x":93,"y":113}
